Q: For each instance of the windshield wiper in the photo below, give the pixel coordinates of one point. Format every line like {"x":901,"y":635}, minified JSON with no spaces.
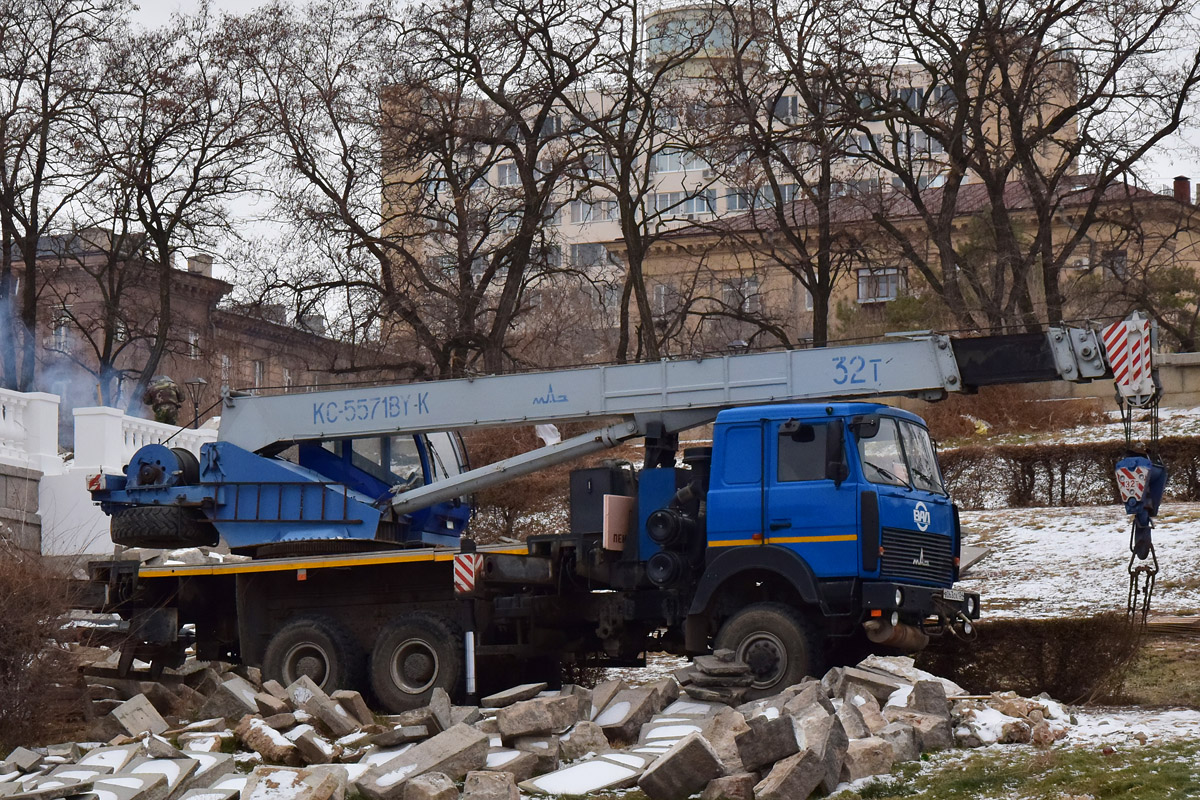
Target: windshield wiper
{"x":887,"y":475}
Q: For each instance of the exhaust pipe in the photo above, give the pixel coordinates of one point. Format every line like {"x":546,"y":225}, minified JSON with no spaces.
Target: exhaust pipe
{"x":901,"y":636}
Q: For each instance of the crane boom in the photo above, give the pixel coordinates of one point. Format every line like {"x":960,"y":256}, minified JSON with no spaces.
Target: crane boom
{"x":924,"y":364}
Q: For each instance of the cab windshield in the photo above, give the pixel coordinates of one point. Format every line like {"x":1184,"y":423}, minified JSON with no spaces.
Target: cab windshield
{"x":901,"y":454}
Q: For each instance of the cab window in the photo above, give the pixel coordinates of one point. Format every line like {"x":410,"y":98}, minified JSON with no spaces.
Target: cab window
{"x":801,"y":453}
{"x":882,"y":455}
{"x":922,"y":461}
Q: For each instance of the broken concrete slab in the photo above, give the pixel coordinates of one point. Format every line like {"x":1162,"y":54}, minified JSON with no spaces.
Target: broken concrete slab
{"x":871,"y":756}
{"x":682,"y":771}
{"x":929,"y":697}
{"x":522,"y":765}
{"x":483,"y":785}
{"x":510,"y":696}
{"x":766,"y":741}
{"x":594,"y":775}
{"x":441,"y":708}
{"x":721,"y":732}
{"x":267,"y":742}
{"x":273,"y":783}
{"x":454,"y":752}
{"x":332,"y":715}
{"x":933,"y":733}
{"x":269,"y":705}
{"x":51,"y":789}
{"x":826,"y":737}
{"x":544,"y":748}
{"x":302,"y":690}
{"x":353,"y":702}
{"x":275,"y":689}
{"x":738,"y":786}
{"x":231,"y":699}
{"x":401,"y":735}
{"x":212,"y":767}
{"x":880,"y":686}
{"x":137,"y":716}
{"x":115,"y":758}
{"x":903,"y":739}
{"x":793,"y":778}
{"x":430,"y":786}
{"x":136,"y":787}
{"x":174,"y":770}
{"x":541,"y":715}
{"x":903,"y":667}
{"x":625,"y":714}
{"x":603,"y":694}
{"x":585,"y":737}
{"x":314,"y":749}
{"x":852,"y":720}
{"x":210,"y":794}
{"x":669,"y":729}
{"x":24,"y":759}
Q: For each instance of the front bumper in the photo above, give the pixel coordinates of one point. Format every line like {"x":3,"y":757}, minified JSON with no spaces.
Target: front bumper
{"x":919,"y":602}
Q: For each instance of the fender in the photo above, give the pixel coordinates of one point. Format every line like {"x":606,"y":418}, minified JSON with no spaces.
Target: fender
{"x":772,"y":558}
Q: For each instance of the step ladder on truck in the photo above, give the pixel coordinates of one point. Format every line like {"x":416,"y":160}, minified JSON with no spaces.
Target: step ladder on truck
{"x":814,"y":520}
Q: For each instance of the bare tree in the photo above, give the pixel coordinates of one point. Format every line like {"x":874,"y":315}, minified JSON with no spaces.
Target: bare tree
{"x":49,"y":53}
{"x":172,"y":138}
{"x":1009,"y":112}
{"x":427,"y":151}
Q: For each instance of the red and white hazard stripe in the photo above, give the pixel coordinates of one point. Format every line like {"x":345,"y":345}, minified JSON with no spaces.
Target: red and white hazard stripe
{"x":1127,"y":345}
{"x":466,"y":568}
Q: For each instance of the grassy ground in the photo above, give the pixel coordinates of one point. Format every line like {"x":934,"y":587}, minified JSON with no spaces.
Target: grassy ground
{"x":1166,"y":673}
{"x":1152,"y":772}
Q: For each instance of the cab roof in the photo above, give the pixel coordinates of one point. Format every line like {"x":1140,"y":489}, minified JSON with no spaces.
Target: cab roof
{"x":809,"y":411}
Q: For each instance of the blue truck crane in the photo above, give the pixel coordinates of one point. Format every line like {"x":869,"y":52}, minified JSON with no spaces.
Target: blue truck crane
{"x":814,"y":523}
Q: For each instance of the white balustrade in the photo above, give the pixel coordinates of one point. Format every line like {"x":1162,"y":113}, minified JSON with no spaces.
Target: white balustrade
{"x":105,"y":438}
{"x":29,"y":430}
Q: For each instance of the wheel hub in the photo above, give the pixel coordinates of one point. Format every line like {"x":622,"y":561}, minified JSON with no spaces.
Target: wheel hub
{"x":766,"y":656}
{"x":306,"y":659}
{"x":414,"y":666}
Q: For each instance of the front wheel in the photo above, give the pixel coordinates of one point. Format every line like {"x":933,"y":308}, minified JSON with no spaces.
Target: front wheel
{"x":414,"y":656}
{"x":778,"y":645}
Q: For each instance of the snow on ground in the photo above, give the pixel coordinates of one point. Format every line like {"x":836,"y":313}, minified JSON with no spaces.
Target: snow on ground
{"x":1117,"y":726}
{"x":1172,"y":422}
{"x":1052,"y":562}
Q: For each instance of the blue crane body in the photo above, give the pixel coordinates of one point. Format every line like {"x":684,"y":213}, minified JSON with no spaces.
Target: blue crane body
{"x":816,"y":523}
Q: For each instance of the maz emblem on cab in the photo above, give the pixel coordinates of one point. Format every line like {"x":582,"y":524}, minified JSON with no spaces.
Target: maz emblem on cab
{"x":921,"y":516}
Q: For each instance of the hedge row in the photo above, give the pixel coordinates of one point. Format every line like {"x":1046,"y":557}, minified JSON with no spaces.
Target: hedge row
{"x":1004,"y":476}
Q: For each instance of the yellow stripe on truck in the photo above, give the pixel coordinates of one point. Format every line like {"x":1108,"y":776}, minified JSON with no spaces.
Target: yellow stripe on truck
{"x":846,"y":537}
{"x":284,"y":565}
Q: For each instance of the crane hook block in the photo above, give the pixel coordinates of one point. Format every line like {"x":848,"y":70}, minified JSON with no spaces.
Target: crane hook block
{"x":1142,"y":483}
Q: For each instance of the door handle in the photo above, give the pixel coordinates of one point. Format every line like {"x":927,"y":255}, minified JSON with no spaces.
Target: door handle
{"x":780,"y":524}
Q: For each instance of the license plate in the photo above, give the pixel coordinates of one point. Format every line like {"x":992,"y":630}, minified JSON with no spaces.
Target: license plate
{"x":953,"y":594}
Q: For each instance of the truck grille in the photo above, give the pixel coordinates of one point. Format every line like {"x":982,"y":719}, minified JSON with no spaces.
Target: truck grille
{"x":915,"y":555}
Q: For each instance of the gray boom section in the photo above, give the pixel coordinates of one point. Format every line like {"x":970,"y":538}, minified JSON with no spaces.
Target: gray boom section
{"x":493,"y":474}
{"x":924,"y":365}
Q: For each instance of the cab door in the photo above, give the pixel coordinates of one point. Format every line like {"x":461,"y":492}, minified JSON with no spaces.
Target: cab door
{"x":810,"y":509}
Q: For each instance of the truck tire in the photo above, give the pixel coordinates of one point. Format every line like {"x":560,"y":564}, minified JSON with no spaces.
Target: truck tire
{"x":779,"y":645}
{"x":414,"y":656}
{"x":167,"y":527}
{"x":317,"y":647}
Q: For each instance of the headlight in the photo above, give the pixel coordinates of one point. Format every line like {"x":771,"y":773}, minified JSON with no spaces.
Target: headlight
{"x":895,"y":618}
{"x":899,"y":598}
{"x":970,"y":605}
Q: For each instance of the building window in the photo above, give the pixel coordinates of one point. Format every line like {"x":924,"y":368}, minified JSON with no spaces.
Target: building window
{"x":193,"y":339}
{"x":260,"y":373}
{"x":224,"y":368}
{"x":879,"y":285}
{"x":287,"y":378}
{"x":508,"y":175}
{"x":589,"y":255}
{"x":593,"y":210}
{"x":60,"y":332}
{"x":910,"y":95}
{"x":684,"y":203}
{"x":1116,"y":262}
{"x":739,"y":200}
{"x":787,"y":108}
{"x":742,"y":294}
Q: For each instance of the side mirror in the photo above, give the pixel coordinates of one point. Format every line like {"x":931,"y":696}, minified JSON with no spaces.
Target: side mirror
{"x":836,"y":468}
{"x":865,"y":426}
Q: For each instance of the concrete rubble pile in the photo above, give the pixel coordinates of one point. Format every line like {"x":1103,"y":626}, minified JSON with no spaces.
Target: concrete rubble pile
{"x":258,"y":740}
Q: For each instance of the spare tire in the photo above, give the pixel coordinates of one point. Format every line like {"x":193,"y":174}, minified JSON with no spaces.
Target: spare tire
{"x":167,"y":527}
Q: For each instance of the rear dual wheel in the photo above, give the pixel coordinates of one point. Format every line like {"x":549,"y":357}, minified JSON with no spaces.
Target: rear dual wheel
{"x":316,"y":647}
{"x":412,"y":657}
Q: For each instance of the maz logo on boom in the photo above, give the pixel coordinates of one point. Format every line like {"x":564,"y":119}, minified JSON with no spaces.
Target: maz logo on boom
{"x":549,"y":397}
